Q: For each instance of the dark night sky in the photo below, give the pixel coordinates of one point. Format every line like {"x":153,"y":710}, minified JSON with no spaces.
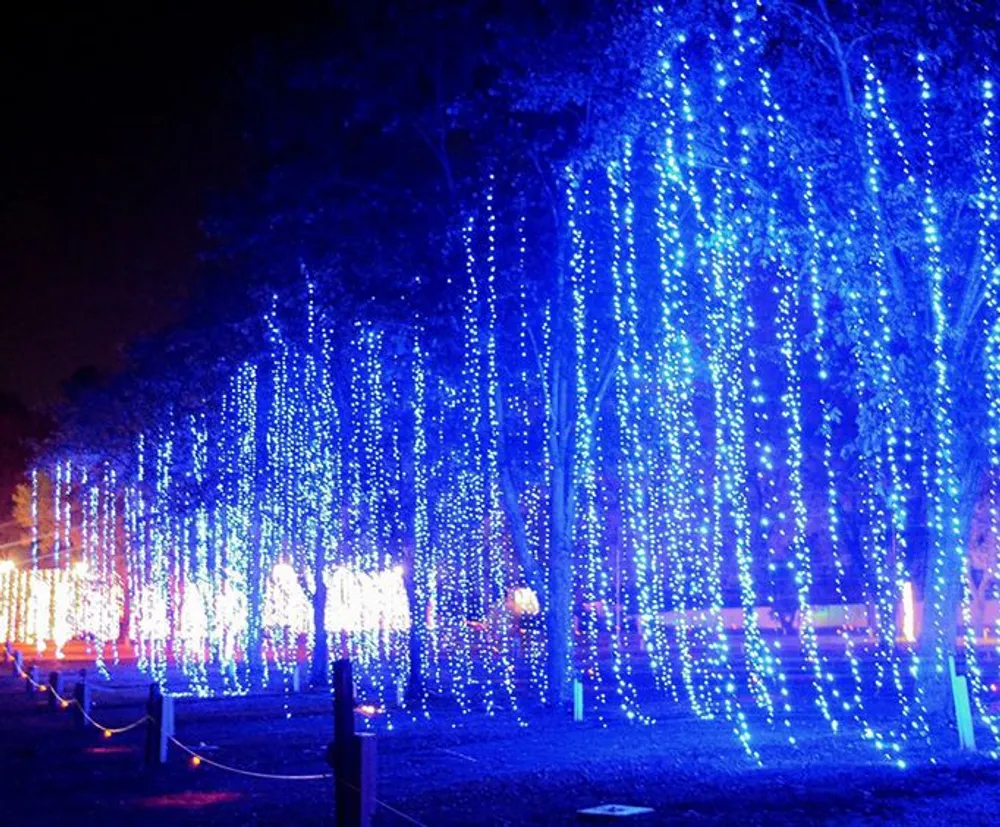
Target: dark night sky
{"x":118,"y":121}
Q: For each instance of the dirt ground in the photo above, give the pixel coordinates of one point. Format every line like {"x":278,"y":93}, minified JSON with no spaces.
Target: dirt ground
{"x":458,"y":769}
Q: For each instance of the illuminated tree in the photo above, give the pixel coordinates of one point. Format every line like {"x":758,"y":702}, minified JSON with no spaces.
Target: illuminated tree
{"x":676,"y":312}
{"x":902,"y":189}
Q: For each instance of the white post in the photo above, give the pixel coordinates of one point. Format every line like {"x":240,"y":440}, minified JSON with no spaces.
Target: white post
{"x":963,"y":712}
{"x":160,"y":728}
{"x":166,"y":726}
{"x":577,"y":700}
{"x":366,"y":766}
{"x":297,"y":678}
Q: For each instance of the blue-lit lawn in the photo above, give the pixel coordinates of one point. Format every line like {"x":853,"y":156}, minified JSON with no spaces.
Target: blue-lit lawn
{"x":463,"y":769}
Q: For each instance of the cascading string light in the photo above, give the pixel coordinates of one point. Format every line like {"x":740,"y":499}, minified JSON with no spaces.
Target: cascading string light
{"x":626,"y":371}
{"x":819,"y":302}
{"x":788,"y":335}
{"x":424,"y":571}
{"x":542,"y":531}
{"x":728,"y":314}
{"x":899,"y":490}
{"x":497,"y":589}
{"x":199,"y":601}
{"x":139,"y":541}
{"x":946,"y":528}
{"x":112,"y":553}
{"x":88,"y":547}
{"x":583,"y":459}
{"x":681,"y":532}
{"x":57,"y":542}
{"x":776,"y":524}
{"x":989,"y":272}
{"x":230,"y":515}
{"x":989,"y":207}
{"x":706,"y":592}
{"x":638,"y":441}
{"x":470,"y":577}
{"x":888,"y":405}
{"x":522,"y":404}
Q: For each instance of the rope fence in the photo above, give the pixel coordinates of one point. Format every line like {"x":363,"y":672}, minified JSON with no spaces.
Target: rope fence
{"x":109,"y":731}
{"x":201,"y":759}
{"x":198,"y":759}
{"x":164,"y":731}
{"x":66,"y":703}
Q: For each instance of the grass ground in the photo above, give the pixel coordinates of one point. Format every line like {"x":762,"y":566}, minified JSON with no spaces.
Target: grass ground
{"x":460,"y":770}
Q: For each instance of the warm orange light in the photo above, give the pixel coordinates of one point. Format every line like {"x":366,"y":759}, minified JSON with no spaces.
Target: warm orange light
{"x":107,"y":733}
{"x":65,"y":704}
{"x":368,"y":710}
{"x":195,"y":761}
{"x":525,"y":601}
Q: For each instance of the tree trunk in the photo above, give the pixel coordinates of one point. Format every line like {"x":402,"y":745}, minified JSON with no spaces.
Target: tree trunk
{"x":418,"y":631}
{"x":939,"y":628}
{"x":255,"y":641}
{"x":319,"y":672}
{"x":251,"y":501}
{"x":559,"y":617}
{"x":519,"y":535}
{"x":125,"y":621}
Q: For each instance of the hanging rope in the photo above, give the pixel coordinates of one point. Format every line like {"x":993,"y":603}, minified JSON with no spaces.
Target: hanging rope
{"x":67,"y":702}
{"x":202,"y":759}
{"x":249,"y":773}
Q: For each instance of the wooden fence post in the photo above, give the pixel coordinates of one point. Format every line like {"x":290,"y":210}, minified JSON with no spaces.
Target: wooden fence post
{"x":55,"y":688}
{"x":160,"y":727}
{"x":345,"y":753}
{"x":18,"y":665}
{"x":31,"y":679}
{"x":81,"y":694}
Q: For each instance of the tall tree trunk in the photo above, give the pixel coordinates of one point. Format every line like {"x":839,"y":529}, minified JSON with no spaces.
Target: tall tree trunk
{"x":418,"y":631}
{"x":125,"y":621}
{"x":255,"y":638}
{"x":319,"y":672}
{"x":559,"y":617}
{"x":526,"y":556}
{"x":256,"y":564}
{"x":939,"y":628}
{"x":562,"y":413}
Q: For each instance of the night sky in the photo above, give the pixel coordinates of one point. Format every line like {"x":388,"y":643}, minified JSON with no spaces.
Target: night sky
{"x":119,"y":123}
